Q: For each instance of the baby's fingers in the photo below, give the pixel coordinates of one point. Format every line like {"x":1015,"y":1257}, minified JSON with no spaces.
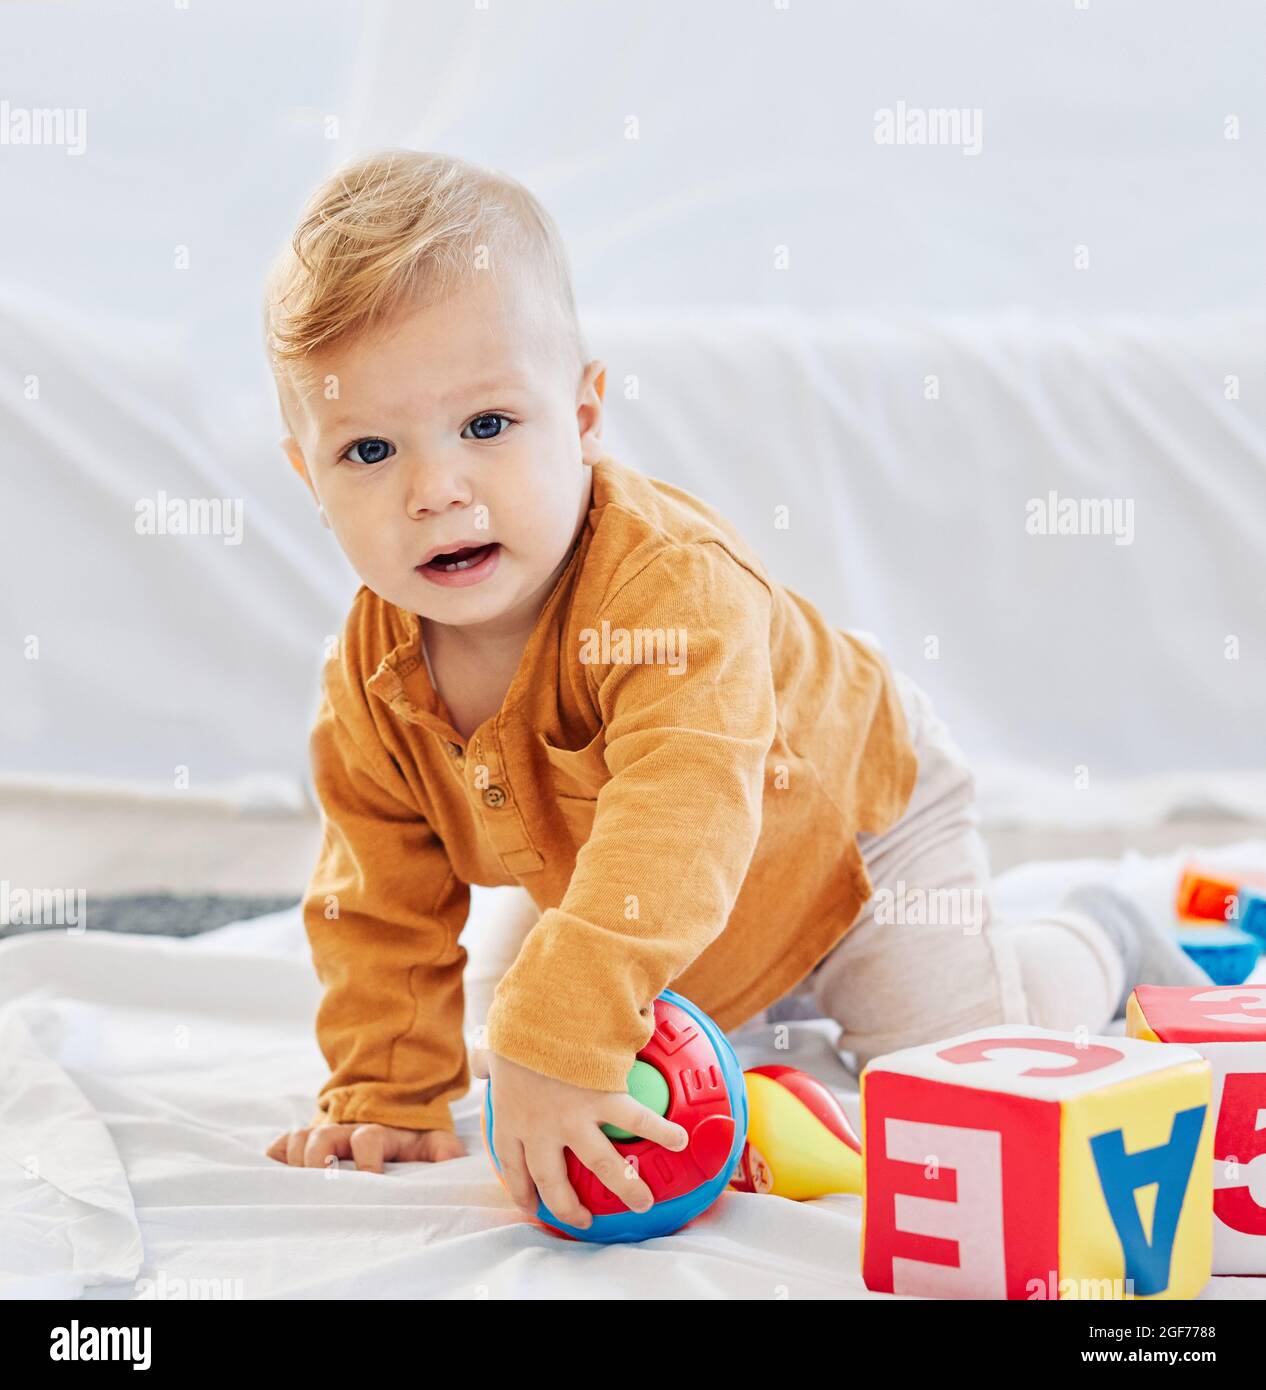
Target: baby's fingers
{"x":548,"y":1167}
{"x":288,"y":1147}
{"x":630,"y":1114}
{"x":371,"y":1144}
{"x":617,"y":1172}
{"x":517,"y":1178}
{"x":324,"y":1142}
{"x":309,"y":1148}
{"x":296,"y":1142}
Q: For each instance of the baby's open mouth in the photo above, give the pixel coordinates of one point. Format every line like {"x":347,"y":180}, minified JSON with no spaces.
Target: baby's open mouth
{"x":461,"y":559}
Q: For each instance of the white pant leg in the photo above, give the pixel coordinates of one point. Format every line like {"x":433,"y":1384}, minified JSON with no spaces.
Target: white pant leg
{"x":500,"y":919}
{"x":926,"y":959}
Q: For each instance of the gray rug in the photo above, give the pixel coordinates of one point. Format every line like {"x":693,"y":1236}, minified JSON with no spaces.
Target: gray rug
{"x":163,"y":914}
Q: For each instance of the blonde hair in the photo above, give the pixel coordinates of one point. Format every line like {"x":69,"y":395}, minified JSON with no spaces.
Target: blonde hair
{"x":406,"y":226}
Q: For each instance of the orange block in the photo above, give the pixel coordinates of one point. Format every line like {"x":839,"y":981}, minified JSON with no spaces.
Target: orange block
{"x":1209,"y":895}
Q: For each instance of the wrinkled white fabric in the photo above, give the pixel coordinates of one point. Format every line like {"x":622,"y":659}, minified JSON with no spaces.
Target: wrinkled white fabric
{"x":160,"y":1070}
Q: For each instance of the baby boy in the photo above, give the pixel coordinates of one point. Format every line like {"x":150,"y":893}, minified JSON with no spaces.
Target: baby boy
{"x":564,"y":675}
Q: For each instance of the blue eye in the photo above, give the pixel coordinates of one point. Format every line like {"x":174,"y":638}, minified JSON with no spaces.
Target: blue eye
{"x":481,"y":420}
{"x":371,"y":451}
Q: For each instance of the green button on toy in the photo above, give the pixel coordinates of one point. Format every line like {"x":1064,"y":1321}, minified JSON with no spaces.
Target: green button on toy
{"x":647,"y":1086}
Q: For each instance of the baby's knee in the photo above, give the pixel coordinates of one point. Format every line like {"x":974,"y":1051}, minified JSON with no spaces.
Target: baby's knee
{"x":1071,"y":976}
{"x":908,"y":991}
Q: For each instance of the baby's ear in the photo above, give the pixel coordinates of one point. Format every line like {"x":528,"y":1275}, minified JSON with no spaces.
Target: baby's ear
{"x":293,"y":452}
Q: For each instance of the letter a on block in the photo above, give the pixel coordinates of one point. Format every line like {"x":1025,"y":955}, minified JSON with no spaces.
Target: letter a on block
{"x":1147,"y":1262}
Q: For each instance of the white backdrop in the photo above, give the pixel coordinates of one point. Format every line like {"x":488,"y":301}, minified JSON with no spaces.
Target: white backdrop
{"x":757,"y":386}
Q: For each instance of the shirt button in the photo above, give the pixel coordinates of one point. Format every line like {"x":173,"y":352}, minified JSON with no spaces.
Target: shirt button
{"x":494,"y":796}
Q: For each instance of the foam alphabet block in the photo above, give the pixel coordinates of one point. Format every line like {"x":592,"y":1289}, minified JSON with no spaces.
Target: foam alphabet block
{"x":1250,"y":908}
{"x":1225,"y":953}
{"x":1205,"y":895}
{"x":1227,"y":1026}
{"x":1016,"y":1162}
{"x":1217,"y":895}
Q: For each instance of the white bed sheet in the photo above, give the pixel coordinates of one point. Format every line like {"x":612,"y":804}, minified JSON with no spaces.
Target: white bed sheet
{"x":141,"y":1080}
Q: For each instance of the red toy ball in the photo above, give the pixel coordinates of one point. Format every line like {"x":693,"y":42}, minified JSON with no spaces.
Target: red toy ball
{"x":692,"y":1065}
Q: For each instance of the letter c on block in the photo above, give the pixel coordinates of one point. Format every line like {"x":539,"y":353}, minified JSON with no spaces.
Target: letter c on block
{"x":1091,"y":1057}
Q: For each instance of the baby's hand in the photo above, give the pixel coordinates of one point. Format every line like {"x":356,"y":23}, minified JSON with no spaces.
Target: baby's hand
{"x":537,"y":1117}
{"x":369,"y":1145}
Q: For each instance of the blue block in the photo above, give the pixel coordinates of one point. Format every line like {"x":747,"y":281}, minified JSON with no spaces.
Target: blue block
{"x":1250,"y":912}
{"x":1226,"y":954}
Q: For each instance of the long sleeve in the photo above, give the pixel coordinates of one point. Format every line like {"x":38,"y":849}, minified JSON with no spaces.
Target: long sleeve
{"x":675,"y":827}
{"x":382,"y":913}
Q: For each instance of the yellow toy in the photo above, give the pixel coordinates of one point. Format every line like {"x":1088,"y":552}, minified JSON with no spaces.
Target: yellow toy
{"x":799,"y":1141}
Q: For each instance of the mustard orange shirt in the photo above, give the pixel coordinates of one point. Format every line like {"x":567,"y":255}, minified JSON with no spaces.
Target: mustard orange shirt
{"x":676,"y":776}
